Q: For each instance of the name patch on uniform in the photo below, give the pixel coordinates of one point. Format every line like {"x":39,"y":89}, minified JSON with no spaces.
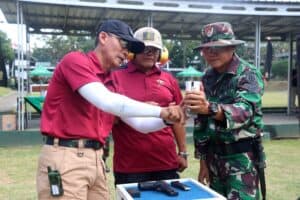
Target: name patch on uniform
{"x":160,"y":82}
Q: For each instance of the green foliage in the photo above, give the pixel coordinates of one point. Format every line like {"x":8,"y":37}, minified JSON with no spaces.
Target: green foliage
{"x":42,"y":54}
{"x":57,"y":46}
{"x":280,"y":69}
{"x":246,"y":52}
{"x":6,"y":50}
{"x":181,"y":53}
{"x":176,"y":53}
{"x":6,"y":57}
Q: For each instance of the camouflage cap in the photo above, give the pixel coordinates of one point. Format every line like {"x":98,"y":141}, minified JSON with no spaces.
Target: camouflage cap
{"x":218,"y":34}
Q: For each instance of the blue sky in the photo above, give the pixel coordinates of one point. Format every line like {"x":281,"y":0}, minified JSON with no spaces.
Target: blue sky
{"x":9,"y":29}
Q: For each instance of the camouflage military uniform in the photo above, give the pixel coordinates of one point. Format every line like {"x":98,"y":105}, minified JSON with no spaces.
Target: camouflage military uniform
{"x":238,"y":91}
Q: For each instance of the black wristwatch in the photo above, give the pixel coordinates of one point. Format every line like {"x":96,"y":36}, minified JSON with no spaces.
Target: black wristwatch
{"x":213,"y":109}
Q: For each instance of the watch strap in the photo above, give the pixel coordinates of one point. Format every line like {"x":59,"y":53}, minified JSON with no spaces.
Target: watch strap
{"x":183,"y":154}
{"x":213,"y":109}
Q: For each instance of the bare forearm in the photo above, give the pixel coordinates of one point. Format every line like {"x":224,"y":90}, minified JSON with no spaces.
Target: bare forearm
{"x":180,"y":137}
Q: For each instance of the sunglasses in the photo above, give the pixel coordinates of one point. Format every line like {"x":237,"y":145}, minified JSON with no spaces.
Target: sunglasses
{"x":151,"y":50}
{"x":124,"y":44}
{"x":214,"y":50}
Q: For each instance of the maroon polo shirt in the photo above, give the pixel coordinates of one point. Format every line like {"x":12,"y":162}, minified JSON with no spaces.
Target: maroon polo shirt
{"x":136,"y":152}
{"x":66,"y":114}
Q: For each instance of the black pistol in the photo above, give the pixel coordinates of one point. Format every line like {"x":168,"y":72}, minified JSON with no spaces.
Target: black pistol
{"x":179,"y":185}
{"x":148,"y":185}
{"x":159,"y":186}
{"x":165,"y":188}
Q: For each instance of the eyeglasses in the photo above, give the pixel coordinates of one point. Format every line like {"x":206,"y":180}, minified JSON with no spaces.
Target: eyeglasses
{"x":213,"y":50}
{"x":152,"y":50}
{"x":124,"y":44}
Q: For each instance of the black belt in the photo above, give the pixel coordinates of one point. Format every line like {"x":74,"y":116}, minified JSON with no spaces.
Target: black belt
{"x":241,"y":146}
{"x":93,"y":144}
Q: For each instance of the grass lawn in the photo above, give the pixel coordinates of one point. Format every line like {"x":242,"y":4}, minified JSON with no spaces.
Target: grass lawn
{"x":272,"y":98}
{"x":275,"y":99}
{"x":18,"y":168}
{"x":275,"y":94}
{"x":4,"y":91}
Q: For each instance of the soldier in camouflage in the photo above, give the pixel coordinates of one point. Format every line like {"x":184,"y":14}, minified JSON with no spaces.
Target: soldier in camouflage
{"x":229,"y":124}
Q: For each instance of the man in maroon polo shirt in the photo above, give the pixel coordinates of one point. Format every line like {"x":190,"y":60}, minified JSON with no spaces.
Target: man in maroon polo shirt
{"x":78,"y":114}
{"x":147,"y":157}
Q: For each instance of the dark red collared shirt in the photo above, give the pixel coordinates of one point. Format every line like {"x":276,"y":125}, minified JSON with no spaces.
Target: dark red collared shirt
{"x":66,"y":114}
{"x":137,"y":152}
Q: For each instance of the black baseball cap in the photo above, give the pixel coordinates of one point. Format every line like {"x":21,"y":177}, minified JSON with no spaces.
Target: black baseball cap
{"x":123,"y":31}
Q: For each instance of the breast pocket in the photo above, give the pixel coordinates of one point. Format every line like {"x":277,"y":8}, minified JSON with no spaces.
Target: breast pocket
{"x":162,"y":94}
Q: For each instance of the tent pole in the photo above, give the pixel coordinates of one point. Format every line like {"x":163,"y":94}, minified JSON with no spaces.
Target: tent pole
{"x":290,"y":63}
{"x":19,"y":67}
{"x":257,"y":41}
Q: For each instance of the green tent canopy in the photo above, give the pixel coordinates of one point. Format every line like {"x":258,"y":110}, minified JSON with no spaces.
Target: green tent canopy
{"x":40,"y":71}
{"x":190,"y":72}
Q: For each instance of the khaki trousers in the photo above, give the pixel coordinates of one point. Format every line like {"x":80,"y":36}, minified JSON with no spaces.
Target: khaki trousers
{"x":82,"y":171}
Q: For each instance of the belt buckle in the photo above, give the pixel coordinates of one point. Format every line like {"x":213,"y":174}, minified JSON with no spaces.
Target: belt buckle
{"x":92,"y":144}
{"x":73,"y":143}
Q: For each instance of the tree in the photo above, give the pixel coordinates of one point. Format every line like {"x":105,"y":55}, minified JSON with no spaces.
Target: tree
{"x":6,"y":57}
{"x":57,"y":46}
{"x":182,"y":53}
{"x":42,"y":54}
{"x":280,"y":69}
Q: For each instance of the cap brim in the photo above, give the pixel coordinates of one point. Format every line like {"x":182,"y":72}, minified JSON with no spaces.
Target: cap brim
{"x":151,"y":44}
{"x":134,"y":45}
{"x":223,"y":43}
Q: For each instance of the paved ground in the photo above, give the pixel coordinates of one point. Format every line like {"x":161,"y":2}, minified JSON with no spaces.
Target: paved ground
{"x":8,"y":103}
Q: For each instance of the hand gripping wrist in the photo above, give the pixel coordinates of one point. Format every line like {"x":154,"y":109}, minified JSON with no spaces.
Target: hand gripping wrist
{"x":168,"y":123}
{"x":165,"y":113}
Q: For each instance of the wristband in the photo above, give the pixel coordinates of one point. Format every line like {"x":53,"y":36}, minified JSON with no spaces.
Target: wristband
{"x":183,"y":154}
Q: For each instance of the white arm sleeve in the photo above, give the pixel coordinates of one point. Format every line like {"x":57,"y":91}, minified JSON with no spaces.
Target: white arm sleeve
{"x":98,"y":95}
{"x":145,"y":125}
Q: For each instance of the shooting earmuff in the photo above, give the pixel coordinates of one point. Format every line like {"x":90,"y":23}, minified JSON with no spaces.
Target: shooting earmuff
{"x":164,"y":56}
{"x":162,"y":59}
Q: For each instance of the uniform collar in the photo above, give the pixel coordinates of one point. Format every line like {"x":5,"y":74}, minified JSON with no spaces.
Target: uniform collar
{"x":233,"y":65}
{"x":131,"y":67}
{"x":97,"y":68}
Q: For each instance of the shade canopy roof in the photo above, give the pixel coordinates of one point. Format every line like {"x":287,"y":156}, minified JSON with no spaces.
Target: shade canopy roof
{"x":41,"y":72}
{"x":174,"y":18}
{"x":190,"y":72}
